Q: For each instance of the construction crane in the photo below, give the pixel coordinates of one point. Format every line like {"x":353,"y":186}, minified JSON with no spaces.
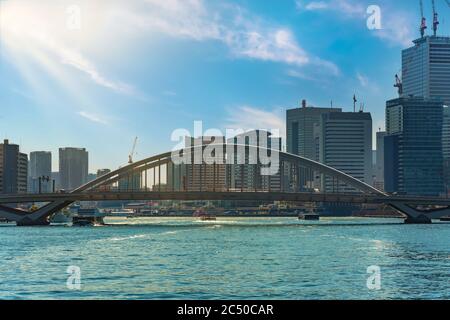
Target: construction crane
{"x":354,"y":102}
{"x":399,"y":85}
{"x":435,"y":18}
{"x":133,"y":151}
{"x":423,"y":25}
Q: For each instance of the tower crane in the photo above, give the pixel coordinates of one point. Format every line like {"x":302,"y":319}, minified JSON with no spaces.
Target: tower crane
{"x":423,"y":25}
{"x":435,"y":18}
{"x":133,"y":151}
{"x":399,"y":85}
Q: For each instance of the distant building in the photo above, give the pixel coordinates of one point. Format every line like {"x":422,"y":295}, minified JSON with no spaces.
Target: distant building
{"x":300,"y":135}
{"x":91,"y":177}
{"x":426,"y":69}
{"x":13,"y":169}
{"x":446,"y":147}
{"x":379,"y":163}
{"x":300,"y":129}
{"x":345,"y":143}
{"x":55,"y":177}
{"x":40,"y":166}
{"x":413,"y":157}
{"x":130,"y":182}
{"x":102,"y":172}
{"x":73,"y":167}
{"x":245,"y":176}
{"x":204,"y":177}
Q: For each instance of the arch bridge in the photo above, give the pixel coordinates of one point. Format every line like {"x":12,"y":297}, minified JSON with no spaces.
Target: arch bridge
{"x":229,"y":172}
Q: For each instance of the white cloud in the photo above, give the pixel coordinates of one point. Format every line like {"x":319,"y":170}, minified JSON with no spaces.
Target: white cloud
{"x":347,"y":8}
{"x":312,"y":6}
{"x":76,"y":60}
{"x":92,"y":117}
{"x":248,"y":118}
{"x":169,"y":93}
{"x":38,"y":32}
{"x":397,"y":26}
{"x":246,"y":35}
{"x":363,"y":80}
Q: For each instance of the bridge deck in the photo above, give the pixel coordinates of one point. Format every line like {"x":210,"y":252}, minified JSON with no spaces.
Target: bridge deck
{"x":230,"y":196}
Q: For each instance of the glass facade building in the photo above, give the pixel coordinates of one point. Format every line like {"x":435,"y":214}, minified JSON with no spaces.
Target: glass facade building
{"x":413,"y":153}
{"x":426,"y":68}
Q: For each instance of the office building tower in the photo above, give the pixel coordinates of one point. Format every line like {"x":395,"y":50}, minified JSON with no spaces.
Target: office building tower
{"x":13,"y":169}
{"x":379,"y":163}
{"x":446,"y":147}
{"x":73,"y":167}
{"x":426,"y":69}
{"x":300,"y":136}
{"x":300,"y":129}
{"x":203,"y":177}
{"x":55,"y":177}
{"x":245,"y":173}
{"x":130,"y":182}
{"x":40,"y":172}
{"x":345,"y":143}
{"x":413,"y":157}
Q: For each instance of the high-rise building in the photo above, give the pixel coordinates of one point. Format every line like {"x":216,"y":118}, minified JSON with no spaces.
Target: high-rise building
{"x":73,"y":167}
{"x":426,"y":69}
{"x":130,"y":182}
{"x":446,"y":147}
{"x":203,"y":177}
{"x":13,"y":169}
{"x":40,"y":166}
{"x":413,"y":157}
{"x":379,"y":163}
{"x":345,"y":143}
{"x":243,"y":175}
{"x":300,"y":135}
{"x":101,"y":173}
{"x":300,"y":129}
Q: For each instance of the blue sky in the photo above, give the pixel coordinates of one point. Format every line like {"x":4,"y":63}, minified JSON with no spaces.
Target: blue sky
{"x":95,"y":74}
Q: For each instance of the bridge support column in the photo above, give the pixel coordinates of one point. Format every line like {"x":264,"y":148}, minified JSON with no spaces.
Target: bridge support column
{"x":413,"y":216}
{"x":27,"y":222}
{"x":39,"y":217}
{"x":422,"y":219}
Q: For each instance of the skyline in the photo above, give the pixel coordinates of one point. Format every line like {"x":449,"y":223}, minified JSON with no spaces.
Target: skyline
{"x":247,"y":60}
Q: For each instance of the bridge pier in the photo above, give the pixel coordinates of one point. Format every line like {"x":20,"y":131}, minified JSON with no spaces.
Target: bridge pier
{"x":39,"y":217}
{"x":415,"y":216}
{"x":422,"y":219}
{"x":27,"y":222}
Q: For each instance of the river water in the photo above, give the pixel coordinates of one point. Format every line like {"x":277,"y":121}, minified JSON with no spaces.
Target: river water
{"x":235,"y":258}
